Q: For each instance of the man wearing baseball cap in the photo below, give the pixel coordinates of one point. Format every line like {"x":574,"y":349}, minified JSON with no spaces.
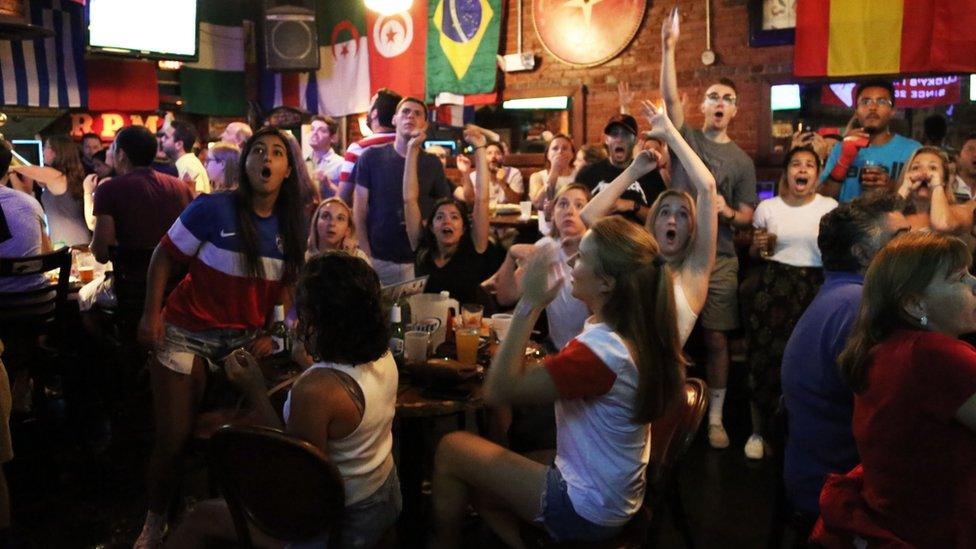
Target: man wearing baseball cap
{"x":619,"y":135}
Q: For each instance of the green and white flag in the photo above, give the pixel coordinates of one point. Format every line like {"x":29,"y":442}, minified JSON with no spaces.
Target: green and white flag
{"x":215,"y":84}
{"x":462,"y":42}
{"x":342,"y":81}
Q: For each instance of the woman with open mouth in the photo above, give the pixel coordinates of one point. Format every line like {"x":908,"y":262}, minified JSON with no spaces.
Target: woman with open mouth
{"x":686,"y":240}
{"x":332,"y":229}
{"x":452,"y":249}
{"x":243,"y":250}
{"x":930,"y":204}
{"x":785,"y":236}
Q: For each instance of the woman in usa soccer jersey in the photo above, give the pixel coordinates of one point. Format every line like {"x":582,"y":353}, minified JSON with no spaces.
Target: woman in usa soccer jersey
{"x":623,"y":371}
{"x":243,"y":250}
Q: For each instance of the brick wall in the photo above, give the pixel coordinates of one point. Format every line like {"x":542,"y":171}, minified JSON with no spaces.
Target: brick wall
{"x":752,"y":69}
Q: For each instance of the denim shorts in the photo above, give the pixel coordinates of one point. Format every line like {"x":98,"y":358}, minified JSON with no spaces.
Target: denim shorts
{"x":560,"y":518}
{"x":364,"y":522}
{"x":181,"y":346}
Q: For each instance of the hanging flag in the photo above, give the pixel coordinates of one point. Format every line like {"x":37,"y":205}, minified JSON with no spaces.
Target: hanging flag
{"x":845,"y":38}
{"x":341,"y":85}
{"x":49,"y":72}
{"x":215,"y":84}
{"x":287,"y":89}
{"x":122,"y":85}
{"x":398,"y":50}
{"x":462,"y":45}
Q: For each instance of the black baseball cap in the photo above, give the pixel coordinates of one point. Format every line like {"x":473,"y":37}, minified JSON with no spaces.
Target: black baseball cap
{"x":624,"y":120}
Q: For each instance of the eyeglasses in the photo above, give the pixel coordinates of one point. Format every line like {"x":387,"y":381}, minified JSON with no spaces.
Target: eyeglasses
{"x":879,"y":101}
{"x":714,"y":98}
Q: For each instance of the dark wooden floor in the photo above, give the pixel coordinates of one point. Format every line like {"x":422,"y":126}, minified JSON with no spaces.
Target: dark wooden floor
{"x":67,"y":493}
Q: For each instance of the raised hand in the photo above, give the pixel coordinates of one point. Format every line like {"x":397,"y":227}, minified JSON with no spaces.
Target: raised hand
{"x":463,"y":164}
{"x":90,"y":182}
{"x":417,"y":139}
{"x":645,"y":162}
{"x":474,"y":136}
{"x":670,"y":29}
{"x":541,"y":280}
{"x":658,"y":119}
{"x":625,"y":96}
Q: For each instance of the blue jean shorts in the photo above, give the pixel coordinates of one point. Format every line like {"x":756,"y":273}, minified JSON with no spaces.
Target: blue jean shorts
{"x":181,"y":346}
{"x":560,"y":518}
{"x":364,"y":522}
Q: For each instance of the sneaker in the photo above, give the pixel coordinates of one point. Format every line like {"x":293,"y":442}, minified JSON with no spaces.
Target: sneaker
{"x":754,"y":447}
{"x":717,"y":437}
{"x":152,"y":532}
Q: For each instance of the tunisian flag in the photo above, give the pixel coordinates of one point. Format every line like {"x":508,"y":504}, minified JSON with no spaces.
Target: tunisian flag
{"x":398,"y":50}
{"x":845,"y":38}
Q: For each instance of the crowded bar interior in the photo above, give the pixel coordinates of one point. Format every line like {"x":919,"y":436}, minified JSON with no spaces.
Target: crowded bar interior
{"x":491,"y":273}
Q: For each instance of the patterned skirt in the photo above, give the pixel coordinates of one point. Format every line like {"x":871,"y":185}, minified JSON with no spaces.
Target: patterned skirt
{"x":784,"y":292}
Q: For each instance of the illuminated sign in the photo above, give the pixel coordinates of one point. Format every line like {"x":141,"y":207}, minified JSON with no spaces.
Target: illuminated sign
{"x":106,"y":124}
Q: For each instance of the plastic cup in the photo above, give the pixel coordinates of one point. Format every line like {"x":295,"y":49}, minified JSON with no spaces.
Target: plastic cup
{"x":471,"y":314}
{"x":525,"y":208}
{"x":86,"y":274}
{"x":467,"y":340}
{"x":500,"y":323}
{"x":415,"y":345}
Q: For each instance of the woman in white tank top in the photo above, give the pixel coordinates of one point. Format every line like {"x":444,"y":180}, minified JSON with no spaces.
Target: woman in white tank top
{"x":343,"y":404}
{"x":687,"y":238}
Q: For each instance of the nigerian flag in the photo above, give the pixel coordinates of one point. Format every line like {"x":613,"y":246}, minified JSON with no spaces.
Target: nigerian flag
{"x":215,"y":84}
{"x":462,"y":42}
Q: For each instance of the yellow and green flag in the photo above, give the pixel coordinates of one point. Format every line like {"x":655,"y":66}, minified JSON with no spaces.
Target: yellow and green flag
{"x":462,"y":42}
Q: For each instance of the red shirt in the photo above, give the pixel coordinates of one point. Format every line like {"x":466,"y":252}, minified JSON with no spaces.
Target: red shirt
{"x":919,"y":461}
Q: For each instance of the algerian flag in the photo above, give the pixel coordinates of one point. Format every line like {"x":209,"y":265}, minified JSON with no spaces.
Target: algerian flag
{"x":342,"y":81}
{"x":215,"y":84}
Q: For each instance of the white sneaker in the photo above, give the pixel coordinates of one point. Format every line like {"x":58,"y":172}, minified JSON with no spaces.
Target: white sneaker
{"x":717,"y":437}
{"x":754,"y":447}
{"x":151,"y":536}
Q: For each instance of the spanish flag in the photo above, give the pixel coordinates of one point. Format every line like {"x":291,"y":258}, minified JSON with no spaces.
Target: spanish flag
{"x":855,"y":37}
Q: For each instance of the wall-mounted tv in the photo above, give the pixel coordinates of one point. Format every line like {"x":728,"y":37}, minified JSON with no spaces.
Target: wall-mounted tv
{"x":784,"y":97}
{"x":143,"y":28}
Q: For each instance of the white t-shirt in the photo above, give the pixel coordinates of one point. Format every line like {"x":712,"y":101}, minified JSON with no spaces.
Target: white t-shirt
{"x":190,"y":164}
{"x":796,"y":228}
{"x":537,"y":182}
{"x":600,"y":451}
{"x":565,"y":314}
{"x":497,"y":196}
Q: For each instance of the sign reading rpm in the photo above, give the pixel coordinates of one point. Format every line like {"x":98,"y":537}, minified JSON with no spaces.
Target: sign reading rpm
{"x":586,"y":32}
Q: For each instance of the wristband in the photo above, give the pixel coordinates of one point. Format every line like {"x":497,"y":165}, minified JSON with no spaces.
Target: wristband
{"x":848,"y":151}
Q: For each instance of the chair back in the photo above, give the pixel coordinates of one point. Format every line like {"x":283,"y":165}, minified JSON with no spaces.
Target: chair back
{"x":672,"y":433}
{"x":282,"y":485}
{"x":40,"y":305}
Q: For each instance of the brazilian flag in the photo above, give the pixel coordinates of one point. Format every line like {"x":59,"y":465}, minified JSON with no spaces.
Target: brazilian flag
{"x":462,"y":42}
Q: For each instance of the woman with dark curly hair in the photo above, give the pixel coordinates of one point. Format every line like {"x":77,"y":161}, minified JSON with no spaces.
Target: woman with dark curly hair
{"x":343,"y":404}
{"x":452,"y":250}
{"x":243,"y":250}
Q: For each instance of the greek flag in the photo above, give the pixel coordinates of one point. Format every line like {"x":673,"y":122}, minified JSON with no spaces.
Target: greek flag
{"x":48,"y":72}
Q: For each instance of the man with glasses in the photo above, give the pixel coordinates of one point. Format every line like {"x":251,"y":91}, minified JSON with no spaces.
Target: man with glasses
{"x":735,"y":176}
{"x":870,"y":144}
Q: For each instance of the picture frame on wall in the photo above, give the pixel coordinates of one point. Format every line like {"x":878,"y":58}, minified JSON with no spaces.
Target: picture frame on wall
{"x":772,"y":22}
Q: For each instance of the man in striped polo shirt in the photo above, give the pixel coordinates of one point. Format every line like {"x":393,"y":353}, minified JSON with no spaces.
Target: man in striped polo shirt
{"x":380,"y":120}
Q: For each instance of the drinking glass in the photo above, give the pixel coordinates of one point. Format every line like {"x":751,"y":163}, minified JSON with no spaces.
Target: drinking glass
{"x":525,"y":208}
{"x":500,"y":323}
{"x":471,"y":314}
{"x":467,"y":340}
{"x":415,"y":344}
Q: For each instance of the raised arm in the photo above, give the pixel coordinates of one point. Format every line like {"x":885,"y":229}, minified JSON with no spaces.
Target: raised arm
{"x":360,"y":211}
{"x":603,"y":202}
{"x":508,"y":278}
{"x":479,"y":226}
{"x":943,"y":216}
{"x":697,"y":266}
{"x":510,"y":379}
{"x":411,"y":190}
{"x":669,"y":79}
{"x":89,"y":184}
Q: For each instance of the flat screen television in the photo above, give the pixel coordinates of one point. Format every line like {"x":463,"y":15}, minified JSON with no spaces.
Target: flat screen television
{"x":784,"y":97}
{"x":143,"y":28}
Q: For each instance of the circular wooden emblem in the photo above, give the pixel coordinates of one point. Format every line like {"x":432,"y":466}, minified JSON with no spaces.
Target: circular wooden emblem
{"x":586,"y":32}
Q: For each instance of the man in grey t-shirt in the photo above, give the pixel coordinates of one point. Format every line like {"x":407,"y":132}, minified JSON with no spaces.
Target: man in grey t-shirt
{"x":735,"y":176}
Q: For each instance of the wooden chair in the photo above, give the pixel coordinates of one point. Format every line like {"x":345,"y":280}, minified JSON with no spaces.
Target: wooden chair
{"x":671,"y":435}
{"x":282,"y":485}
{"x":26,"y":314}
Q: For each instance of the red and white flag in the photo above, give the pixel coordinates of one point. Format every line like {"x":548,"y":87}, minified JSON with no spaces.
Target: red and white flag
{"x":398,"y":50}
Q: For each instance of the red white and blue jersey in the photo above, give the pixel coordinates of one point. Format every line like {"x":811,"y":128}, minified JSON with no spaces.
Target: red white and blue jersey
{"x":217,"y":292}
